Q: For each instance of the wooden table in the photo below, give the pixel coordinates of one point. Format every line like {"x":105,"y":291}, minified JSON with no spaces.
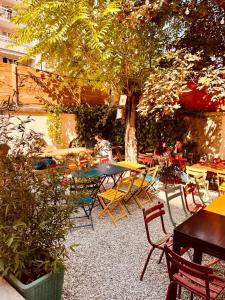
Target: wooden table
{"x":204,"y":232}
{"x":210,"y":167}
{"x":217,"y":206}
{"x":59,"y":153}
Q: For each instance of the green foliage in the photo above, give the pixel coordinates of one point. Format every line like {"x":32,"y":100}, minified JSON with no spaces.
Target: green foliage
{"x":34,"y":215}
{"x":166,"y":82}
{"x":168,"y":129}
{"x":98,"y":119}
{"x":88,"y":42}
{"x":54,"y":123}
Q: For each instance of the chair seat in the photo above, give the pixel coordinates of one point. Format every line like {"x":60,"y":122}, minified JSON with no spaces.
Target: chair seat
{"x":111,"y":194}
{"x":140,"y":183}
{"x":216,"y":286}
{"x":124,"y":187}
{"x":197,"y":208}
{"x":167,"y":239}
{"x":222,"y":186}
{"x":149,"y":178}
{"x":86,"y":200}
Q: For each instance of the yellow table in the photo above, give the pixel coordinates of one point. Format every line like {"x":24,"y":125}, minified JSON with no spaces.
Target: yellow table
{"x":130,"y":165}
{"x":217,"y":206}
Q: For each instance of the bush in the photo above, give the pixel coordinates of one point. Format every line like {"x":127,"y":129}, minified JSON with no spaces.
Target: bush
{"x":34,"y":215}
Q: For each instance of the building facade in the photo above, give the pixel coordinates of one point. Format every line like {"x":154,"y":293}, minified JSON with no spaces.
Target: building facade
{"x":10,"y":54}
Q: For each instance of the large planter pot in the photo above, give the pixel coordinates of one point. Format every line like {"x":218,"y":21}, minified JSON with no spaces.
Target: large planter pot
{"x":47,"y":287}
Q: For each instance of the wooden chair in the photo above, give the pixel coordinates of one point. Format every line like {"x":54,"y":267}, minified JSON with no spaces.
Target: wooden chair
{"x":198,"y":176}
{"x":134,"y":191}
{"x":150,"y":214}
{"x":221,"y":182}
{"x":172,"y":193}
{"x":197,"y":279}
{"x":113,"y":198}
{"x":192,"y":208}
{"x":149,"y":181}
{"x":141,"y":184}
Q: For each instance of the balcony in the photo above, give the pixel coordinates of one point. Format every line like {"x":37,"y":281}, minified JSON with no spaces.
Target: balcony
{"x":6,"y":13}
{"x":5,"y":41}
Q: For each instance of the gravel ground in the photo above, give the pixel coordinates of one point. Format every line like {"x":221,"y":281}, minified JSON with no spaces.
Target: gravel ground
{"x":109,"y":259}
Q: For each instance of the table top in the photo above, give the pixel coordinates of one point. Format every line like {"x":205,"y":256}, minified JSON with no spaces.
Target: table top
{"x":63,"y":152}
{"x":210,"y":167}
{"x":217,"y":206}
{"x":204,"y":231}
{"x":100,"y":170}
{"x":129,"y":165}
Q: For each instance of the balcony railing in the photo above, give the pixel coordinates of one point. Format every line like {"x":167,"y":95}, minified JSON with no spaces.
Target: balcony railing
{"x":6,"y":13}
{"x":5,"y":38}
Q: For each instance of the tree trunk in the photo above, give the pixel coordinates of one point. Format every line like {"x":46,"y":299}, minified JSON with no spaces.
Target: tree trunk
{"x":130,"y":135}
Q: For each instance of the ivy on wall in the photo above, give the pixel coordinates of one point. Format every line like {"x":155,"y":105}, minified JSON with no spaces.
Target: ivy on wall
{"x":168,"y":129}
{"x":54,"y":123}
{"x":97,"y":119}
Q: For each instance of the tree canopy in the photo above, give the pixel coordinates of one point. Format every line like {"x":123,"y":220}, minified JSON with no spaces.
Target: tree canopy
{"x":122,"y":45}
{"x":87,"y":40}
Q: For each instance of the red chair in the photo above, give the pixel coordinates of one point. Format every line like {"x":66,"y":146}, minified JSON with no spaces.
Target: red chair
{"x":150,"y":214}
{"x":197,"y":279}
{"x":104,"y":159}
{"x":189,"y":189}
{"x":83,"y":162}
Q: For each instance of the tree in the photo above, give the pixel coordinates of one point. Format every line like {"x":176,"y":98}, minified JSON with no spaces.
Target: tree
{"x":88,"y":41}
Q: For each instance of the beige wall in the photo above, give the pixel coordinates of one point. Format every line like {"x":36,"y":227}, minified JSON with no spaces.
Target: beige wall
{"x":68,"y":128}
{"x":208,"y":131}
{"x":39,"y":125}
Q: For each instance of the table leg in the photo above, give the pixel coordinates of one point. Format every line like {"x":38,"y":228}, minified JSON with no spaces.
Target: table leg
{"x":197,"y":258}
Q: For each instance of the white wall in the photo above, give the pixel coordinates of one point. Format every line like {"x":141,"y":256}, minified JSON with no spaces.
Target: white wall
{"x":39,"y":125}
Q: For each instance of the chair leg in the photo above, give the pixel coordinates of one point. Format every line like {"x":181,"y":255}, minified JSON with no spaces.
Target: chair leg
{"x":170,"y":291}
{"x":161,"y":256}
{"x":146,"y":263}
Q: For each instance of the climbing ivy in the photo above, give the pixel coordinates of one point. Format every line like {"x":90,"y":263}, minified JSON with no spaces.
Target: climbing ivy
{"x":54,"y":123}
{"x":168,"y":129}
{"x":97,"y":119}
{"x":102,"y":119}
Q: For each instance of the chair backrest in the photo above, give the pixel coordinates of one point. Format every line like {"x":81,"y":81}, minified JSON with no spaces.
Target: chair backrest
{"x":189,"y":189}
{"x":220,"y":178}
{"x":151,"y":174}
{"x":195,"y":173}
{"x":104,"y":159}
{"x":171,"y":194}
{"x":83,"y":162}
{"x":187,"y":269}
{"x":125,"y":181}
{"x":152,"y":213}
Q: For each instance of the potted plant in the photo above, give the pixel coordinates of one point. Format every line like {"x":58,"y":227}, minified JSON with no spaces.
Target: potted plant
{"x":34,"y":218}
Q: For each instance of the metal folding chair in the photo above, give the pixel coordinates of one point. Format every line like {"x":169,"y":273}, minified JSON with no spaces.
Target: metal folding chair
{"x":191,"y":206}
{"x":112,"y":199}
{"x":198,"y":176}
{"x":197,"y":279}
{"x":174,"y":192}
{"x":151,"y":214}
{"x":221,"y":182}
